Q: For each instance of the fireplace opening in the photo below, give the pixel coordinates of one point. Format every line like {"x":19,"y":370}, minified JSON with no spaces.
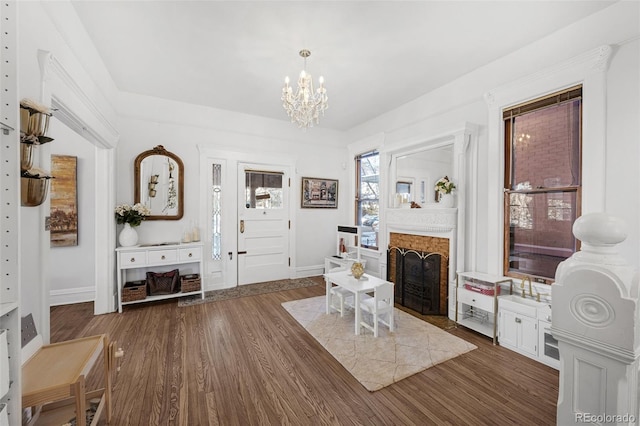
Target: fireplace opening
{"x":418,"y":278}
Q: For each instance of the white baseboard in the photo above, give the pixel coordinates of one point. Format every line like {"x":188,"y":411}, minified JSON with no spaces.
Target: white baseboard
{"x":309,"y":271}
{"x":72,"y":295}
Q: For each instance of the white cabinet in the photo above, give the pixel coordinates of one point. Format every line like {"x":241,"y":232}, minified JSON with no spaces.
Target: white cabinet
{"x":518,"y":332}
{"x":476,"y":303}
{"x":135,"y":262}
{"x":524,"y":326}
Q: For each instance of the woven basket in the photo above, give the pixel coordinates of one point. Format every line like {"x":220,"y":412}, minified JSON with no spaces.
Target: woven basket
{"x":189,"y":283}
{"x":134,"y":290}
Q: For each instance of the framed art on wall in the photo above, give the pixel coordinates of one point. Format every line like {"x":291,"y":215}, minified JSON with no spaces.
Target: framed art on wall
{"x":64,"y":201}
{"x":319,"y":193}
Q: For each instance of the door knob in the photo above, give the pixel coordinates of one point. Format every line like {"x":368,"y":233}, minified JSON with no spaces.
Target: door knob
{"x":242,"y":226}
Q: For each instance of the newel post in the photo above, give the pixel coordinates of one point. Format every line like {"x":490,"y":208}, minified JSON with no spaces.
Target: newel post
{"x":595,"y":320}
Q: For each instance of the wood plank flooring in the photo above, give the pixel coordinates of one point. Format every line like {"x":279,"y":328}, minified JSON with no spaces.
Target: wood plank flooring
{"x":248,"y":362}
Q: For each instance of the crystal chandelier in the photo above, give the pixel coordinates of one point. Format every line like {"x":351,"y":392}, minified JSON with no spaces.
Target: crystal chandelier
{"x":304,"y":107}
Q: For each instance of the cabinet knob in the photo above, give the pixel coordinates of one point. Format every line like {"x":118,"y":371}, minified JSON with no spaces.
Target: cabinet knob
{"x":190,"y":254}
{"x":133,"y":259}
{"x":518,"y":320}
{"x":162,"y":257}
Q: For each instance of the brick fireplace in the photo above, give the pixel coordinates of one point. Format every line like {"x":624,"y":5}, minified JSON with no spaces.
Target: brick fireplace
{"x":424,"y":232}
{"x":418,"y":265}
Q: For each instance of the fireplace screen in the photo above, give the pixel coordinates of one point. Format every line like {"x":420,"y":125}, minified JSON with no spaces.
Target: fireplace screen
{"x":417,"y":280}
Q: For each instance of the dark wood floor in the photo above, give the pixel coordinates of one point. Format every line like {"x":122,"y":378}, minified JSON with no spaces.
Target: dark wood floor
{"x":248,"y":362}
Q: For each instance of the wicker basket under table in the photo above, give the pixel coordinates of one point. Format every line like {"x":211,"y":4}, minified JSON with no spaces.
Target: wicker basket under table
{"x":189,"y":283}
{"x":134,"y":290}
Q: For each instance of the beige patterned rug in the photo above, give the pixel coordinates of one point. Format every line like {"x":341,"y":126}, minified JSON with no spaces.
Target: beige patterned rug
{"x":247,"y":290}
{"x":414,"y":346}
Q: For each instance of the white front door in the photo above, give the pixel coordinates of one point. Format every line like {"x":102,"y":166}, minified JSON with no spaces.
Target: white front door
{"x":263,"y":223}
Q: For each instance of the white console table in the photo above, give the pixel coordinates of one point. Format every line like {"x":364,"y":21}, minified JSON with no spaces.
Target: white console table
{"x":134,"y":262}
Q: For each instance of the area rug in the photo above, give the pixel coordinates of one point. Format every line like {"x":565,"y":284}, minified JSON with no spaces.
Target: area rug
{"x":414,"y":346}
{"x":247,"y":290}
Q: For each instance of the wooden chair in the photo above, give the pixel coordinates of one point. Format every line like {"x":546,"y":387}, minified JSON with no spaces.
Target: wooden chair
{"x":378,"y":306}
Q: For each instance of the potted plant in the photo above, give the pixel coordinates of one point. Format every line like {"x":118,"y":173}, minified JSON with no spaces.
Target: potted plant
{"x":445,"y":189}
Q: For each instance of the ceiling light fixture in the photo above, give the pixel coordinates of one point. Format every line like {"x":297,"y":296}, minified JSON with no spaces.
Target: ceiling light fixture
{"x":304,"y":107}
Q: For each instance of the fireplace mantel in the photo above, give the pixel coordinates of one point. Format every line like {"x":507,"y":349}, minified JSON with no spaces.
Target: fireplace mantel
{"x":431,"y":220}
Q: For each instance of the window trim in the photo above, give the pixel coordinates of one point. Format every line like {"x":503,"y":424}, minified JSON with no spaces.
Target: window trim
{"x":589,"y":69}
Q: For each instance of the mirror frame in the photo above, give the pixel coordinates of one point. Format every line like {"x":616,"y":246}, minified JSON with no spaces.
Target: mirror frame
{"x":159,"y":150}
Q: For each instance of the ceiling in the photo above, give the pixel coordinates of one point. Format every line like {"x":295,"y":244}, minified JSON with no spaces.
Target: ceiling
{"x":374,"y":55}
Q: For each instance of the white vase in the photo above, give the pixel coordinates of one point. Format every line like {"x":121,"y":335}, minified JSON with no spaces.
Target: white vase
{"x":128,"y":236}
{"x":446,"y":200}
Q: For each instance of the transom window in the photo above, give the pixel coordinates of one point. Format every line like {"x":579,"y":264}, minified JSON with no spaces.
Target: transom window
{"x":542,"y":183}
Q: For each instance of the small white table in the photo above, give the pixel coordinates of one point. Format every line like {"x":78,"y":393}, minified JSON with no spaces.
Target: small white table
{"x":344,"y":279}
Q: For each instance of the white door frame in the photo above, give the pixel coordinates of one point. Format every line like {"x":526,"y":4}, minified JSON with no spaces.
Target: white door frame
{"x":231,"y":159}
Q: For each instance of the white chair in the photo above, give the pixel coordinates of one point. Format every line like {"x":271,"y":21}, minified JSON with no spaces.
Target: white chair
{"x":379,"y":305}
{"x":341,"y":294}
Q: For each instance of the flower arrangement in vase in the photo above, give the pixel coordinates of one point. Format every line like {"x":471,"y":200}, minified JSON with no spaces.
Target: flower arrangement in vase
{"x":445,"y":189}
{"x":131,"y":216}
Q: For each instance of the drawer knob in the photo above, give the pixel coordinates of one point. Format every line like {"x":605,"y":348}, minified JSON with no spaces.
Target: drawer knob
{"x":190,"y":254}
{"x":162,"y":257}
{"x":133,"y":259}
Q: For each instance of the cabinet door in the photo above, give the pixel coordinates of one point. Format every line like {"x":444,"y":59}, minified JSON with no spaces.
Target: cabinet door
{"x":508,"y":327}
{"x":528,"y":338}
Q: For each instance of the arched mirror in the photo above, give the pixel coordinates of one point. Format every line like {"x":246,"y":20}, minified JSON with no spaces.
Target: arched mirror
{"x":159,"y":183}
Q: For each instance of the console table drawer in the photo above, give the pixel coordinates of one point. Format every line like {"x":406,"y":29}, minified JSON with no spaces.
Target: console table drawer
{"x":194,"y":253}
{"x":480,"y":301}
{"x":162,"y":256}
{"x":133,"y":260}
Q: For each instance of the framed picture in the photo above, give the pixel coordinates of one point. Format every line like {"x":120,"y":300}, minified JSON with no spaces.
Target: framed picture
{"x":319,"y":193}
{"x":64,"y":201}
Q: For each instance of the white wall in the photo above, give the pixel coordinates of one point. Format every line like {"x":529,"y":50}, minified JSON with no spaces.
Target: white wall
{"x":181,"y":128}
{"x":462,"y":100}
{"x":71,"y":271}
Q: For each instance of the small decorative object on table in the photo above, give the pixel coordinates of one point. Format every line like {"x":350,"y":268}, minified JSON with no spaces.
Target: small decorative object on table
{"x":357,"y":270}
{"x":131,"y":216}
{"x":444,"y":188}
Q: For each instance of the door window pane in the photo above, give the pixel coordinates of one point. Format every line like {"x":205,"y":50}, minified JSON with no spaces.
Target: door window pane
{"x":263,"y":190}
